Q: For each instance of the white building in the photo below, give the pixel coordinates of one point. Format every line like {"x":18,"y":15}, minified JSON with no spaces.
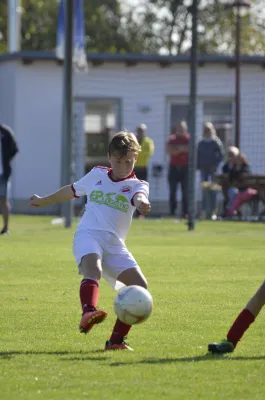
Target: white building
{"x":120,"y":91}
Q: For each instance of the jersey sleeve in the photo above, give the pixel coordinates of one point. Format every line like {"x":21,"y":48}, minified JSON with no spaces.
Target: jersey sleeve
{"x":141,"y":187}
{"x":81,"y":187}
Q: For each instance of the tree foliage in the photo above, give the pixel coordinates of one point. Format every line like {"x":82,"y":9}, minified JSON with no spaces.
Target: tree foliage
{"x":149,"y":26}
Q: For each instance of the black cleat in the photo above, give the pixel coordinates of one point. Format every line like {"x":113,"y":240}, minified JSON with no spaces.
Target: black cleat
{"x":222,"y":347}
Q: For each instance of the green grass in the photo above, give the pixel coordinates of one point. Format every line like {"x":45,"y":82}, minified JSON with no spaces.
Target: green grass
{"x":199,"y":280}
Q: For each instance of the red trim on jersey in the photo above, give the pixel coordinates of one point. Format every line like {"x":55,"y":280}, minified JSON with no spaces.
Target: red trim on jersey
{"x":74,"y":191}
{"x":132,"y":202}
{"x":132,"y":175}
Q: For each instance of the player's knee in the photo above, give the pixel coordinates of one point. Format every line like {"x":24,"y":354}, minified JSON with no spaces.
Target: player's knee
{"x":262,"y":289}
{"x":94,"y":273}
{"x":143,"y":283}
{"x":91,"y":267}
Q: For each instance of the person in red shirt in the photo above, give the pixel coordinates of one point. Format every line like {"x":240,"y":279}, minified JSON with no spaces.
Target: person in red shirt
{"x":178,"y":150}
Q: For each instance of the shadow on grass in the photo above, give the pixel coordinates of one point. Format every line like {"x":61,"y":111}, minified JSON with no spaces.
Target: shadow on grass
{"x":205,"y":357}
{"x":74,"y":355}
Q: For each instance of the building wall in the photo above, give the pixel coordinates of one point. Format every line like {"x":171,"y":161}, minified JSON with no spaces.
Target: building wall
{"x":36,"y":103}
{"x":8,"y":93}
{"x":157,"y":87}
{"x":38,"y":128}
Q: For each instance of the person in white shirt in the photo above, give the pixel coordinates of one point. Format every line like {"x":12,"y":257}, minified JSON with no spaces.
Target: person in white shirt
{"x":99,"y":243}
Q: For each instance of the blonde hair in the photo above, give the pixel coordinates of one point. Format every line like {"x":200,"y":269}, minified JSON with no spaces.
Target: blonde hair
{"x":124,"y":142}
{"x":232,"y":150}
{"x":209,"y":127}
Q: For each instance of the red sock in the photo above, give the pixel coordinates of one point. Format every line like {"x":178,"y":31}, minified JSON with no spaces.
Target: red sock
{"x":119,"y":331}
{"x":239,"y":327}
{"x":89,"y":294}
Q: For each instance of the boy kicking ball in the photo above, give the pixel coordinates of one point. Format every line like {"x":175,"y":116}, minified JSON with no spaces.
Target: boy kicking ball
{"x":99,"y":243}
{"x":241,"y":324}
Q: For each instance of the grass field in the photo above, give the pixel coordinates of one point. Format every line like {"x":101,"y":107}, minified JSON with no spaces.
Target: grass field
{"x":199,"y":280}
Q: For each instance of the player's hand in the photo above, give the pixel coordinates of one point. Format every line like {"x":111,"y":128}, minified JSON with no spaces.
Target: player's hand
{"x":144,"y":207}
{"x":35,"y":201}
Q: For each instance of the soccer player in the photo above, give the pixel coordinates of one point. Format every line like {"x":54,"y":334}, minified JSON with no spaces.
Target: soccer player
{"x":241,"y":324}
{"x":99,"y":243}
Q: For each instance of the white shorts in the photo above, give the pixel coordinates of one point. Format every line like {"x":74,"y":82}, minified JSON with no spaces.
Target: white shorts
{"x":112,"y":251}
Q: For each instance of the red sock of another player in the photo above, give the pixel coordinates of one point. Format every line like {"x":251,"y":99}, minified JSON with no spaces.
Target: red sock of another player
{"x":119,"y":331}
{"x":89,"y":293}
{"x":239,"y":327}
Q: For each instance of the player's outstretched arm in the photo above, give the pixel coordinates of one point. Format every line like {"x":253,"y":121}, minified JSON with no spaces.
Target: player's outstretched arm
{"x":63,"y":194}
{"x":142,"y":203}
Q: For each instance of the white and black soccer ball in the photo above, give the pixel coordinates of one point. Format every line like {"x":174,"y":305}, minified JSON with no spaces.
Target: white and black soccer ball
{"x":133,"y":305}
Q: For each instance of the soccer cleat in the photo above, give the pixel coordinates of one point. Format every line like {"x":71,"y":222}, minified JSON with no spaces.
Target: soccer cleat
{"x":4,"y":231}
{"x":117,"y":346}
{"x":90,"y":318}
{"x":222,"y":347}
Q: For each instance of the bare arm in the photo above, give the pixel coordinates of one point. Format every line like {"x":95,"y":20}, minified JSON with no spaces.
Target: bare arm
{"x":142,"y":203}
{"x":173,"y":150}
{"x":63,"y":194}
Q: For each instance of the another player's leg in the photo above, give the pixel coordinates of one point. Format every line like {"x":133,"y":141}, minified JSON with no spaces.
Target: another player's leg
{"x":89,"y":293}
{"x":5,"y":209}
{"x":241,"y":324}
{"x":131,"y":276}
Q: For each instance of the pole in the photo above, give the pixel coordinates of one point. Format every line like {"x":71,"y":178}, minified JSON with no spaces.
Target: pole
{"x":14,"y":25}
{"x":192,"y":119}
{"x":238,"y":73}
{"x":66,"y":149}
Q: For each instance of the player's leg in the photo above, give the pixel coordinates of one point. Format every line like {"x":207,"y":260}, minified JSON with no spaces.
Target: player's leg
{"x":89,"y":292}
{"x":120,"y":267}
{"x":4,"y":204}
{"x":241,"y":324}
{"x":184,"y":190}
{"x":131,"y":276}
{"x":172,"y":181}
{"x":88,"y":254}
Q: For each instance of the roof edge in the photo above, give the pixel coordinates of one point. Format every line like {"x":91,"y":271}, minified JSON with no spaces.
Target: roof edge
{"x":133,"y":58}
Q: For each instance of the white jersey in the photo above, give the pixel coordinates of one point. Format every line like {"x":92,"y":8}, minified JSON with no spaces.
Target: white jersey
{"x":109,"y":203}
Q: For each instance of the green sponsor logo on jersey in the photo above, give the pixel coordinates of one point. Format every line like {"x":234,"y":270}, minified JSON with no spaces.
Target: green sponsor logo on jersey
{"x":113,"y":200}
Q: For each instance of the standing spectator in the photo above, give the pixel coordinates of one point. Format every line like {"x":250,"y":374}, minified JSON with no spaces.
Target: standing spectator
{"x":178,"y":150}
{"x":8,"y":149}
{"x":209,"y":156}
{"x":147,"y":150}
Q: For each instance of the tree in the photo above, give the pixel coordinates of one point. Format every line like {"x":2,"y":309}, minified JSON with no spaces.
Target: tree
{"x":151,"y":26}
{"x":39,"y":23}
{"x":165,"y":26}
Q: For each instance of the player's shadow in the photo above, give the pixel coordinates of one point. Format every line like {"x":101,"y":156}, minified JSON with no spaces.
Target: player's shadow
{"x":63,"y":355}
{"x":205,"y":357}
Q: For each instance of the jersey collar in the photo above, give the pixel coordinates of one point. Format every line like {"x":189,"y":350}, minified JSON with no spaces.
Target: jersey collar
{"x":132,"y":175}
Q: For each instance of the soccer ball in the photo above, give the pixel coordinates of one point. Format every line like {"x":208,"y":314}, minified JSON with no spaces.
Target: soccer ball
{"x":133,"y":305}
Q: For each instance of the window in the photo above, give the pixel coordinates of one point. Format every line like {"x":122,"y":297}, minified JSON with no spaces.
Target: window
{"x":99,"y":124}
{"x":220,"y":113}
{"x":178,"y":112}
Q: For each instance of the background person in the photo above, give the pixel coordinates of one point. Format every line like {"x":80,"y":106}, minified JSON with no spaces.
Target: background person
{"x":236,"y":197}
{"x":210,"y":154}
{"x":147,"y":150}
{"x":178,"y":150}
{"x":8,"y":149}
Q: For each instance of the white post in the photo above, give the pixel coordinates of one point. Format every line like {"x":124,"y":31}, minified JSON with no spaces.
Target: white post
{"x":14,"y":25}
